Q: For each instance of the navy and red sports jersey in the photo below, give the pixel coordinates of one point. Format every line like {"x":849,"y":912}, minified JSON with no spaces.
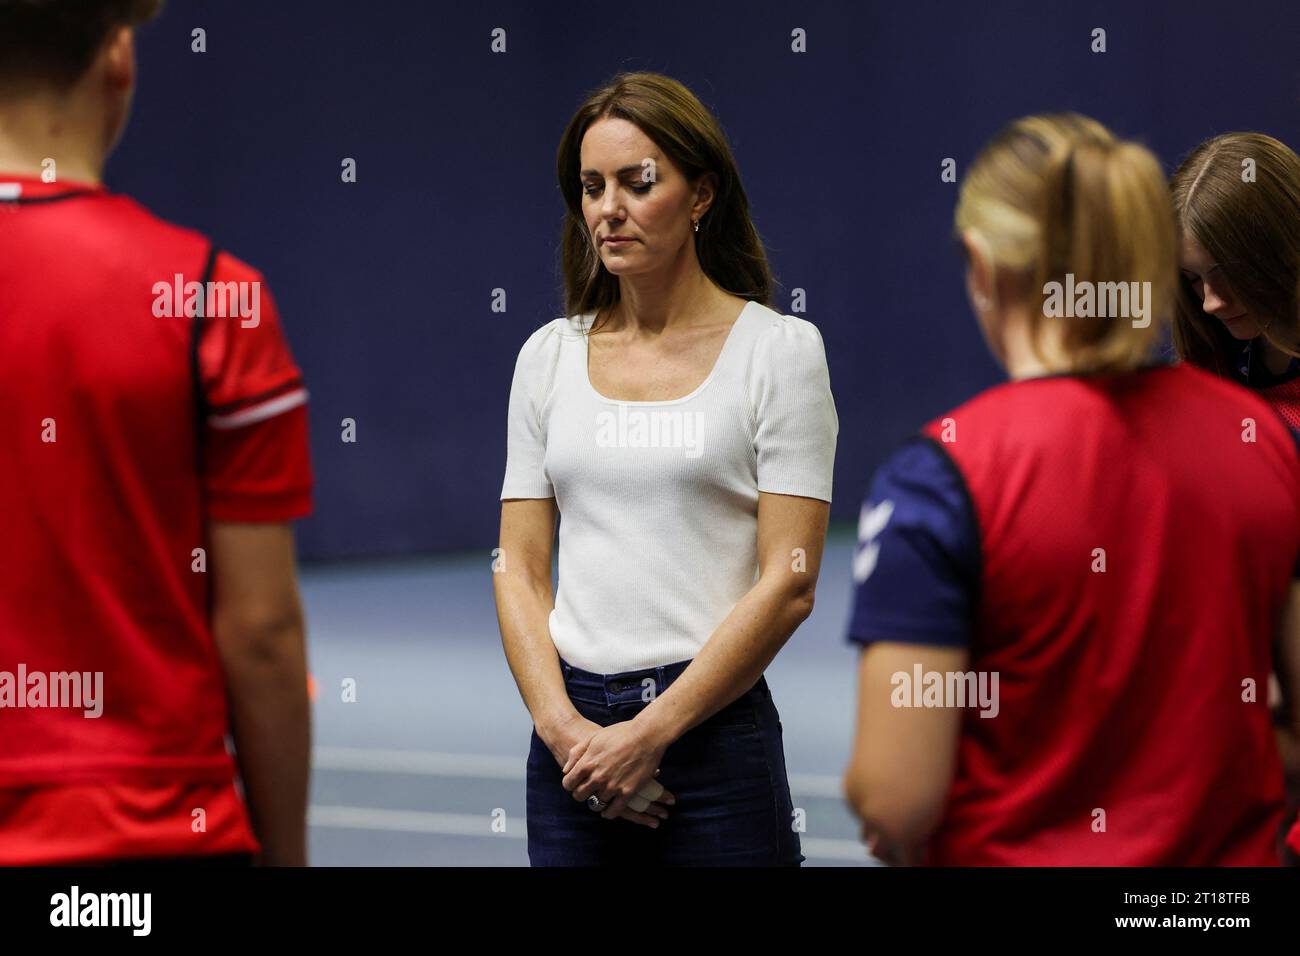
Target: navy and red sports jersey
{"x":1281,"y":391}
{"x":1118,"y":549}
{"x":128,"y":424}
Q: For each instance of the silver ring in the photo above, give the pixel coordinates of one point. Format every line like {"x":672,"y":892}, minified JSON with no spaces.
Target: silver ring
{"x":596,"y":804}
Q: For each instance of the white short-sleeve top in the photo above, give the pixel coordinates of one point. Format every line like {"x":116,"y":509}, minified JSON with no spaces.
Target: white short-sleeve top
{"x":658,"y":501}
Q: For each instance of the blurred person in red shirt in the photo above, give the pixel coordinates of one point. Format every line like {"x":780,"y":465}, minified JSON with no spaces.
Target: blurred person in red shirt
{"x":156,"y":450}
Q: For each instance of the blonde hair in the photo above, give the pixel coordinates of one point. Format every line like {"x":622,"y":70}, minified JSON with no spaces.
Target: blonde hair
{"x":1251,"y":229}
{"x":1057,"y":194}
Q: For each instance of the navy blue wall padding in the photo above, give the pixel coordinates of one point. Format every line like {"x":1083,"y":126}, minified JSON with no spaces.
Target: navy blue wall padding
{"x":385,"y":285}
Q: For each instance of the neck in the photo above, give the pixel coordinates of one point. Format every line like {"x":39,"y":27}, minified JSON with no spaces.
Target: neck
{"x":676,"y":296}
{"x":46,"y":126}
{"x":1275,"y":360}
{"x":1019,"y":357}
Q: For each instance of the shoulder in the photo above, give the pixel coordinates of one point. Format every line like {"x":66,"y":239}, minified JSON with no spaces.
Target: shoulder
{"x":147,"y":227}
{"x":125,"y":236}
{"x":230,"y":268}
{"x":1027,"y":398}
{"x":775,"y":330}
{"x":539,"y":356}
{"x":167,"y":249}
{"x":155,"y":233}
{"x":548,"y":338}
{"x":782,"y":346}
{"x":920,"y":457}
{"x":920,"y":472}
{"x":987,"y":401}
{"x":916,"y":566}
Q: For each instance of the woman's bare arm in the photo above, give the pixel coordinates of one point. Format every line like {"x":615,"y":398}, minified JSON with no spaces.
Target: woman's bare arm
{"x":619,"y":759}
{"x":901,"y":766}
{"x":791,"y":537}
{"x":521,"y":580}
{"x":524,"y":599}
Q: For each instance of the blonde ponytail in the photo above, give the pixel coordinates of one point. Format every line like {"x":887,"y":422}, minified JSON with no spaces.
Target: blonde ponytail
{"x":1063,"y":204}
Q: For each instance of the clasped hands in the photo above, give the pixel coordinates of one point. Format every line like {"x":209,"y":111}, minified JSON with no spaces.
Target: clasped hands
{"x":618,"y":764}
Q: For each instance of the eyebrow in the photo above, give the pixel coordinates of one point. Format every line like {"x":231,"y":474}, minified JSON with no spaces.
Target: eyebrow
{"x":634,"y":168}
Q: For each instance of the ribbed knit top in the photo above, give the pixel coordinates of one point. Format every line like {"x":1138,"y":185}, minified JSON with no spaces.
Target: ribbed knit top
{"x":658,"y":501}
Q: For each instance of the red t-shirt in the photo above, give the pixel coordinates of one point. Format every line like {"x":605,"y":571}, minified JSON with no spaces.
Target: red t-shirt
{"x":128,"y":425}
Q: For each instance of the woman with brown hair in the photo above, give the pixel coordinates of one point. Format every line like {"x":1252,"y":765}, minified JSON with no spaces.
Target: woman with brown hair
{"x":685,"y":433}
{"x":1237,"y":199}
{"x":1066,"y":624}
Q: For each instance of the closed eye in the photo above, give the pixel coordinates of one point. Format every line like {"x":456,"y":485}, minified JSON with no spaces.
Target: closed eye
{"x":639,"y":188}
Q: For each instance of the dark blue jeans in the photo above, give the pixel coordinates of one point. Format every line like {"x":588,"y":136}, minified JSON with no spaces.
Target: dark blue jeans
{"x":728,"y":775}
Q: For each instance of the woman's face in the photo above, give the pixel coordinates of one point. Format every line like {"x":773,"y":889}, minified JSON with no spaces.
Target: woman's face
{"x":632,"y":190}
{"x":1211,"y":285}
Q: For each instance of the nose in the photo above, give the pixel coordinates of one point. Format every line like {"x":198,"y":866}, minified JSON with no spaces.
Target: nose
{"x":1216,"y":300}
{"x":611,"y":204}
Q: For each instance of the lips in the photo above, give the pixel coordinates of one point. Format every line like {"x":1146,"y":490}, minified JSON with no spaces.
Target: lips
{"x":617,"y":239}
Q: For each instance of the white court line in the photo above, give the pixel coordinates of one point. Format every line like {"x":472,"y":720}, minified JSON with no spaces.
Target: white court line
{"x":428,"y":763}
{"x":408,"y":821}
{"x":477,"y":825}
{"x":821,"y":849}
{"x":816,"y":785}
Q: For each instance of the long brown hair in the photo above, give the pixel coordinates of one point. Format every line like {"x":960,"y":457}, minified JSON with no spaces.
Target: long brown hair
{"x":1252,"y":230}
{"x":1057,"y":194}
{"x":727,"y":245}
